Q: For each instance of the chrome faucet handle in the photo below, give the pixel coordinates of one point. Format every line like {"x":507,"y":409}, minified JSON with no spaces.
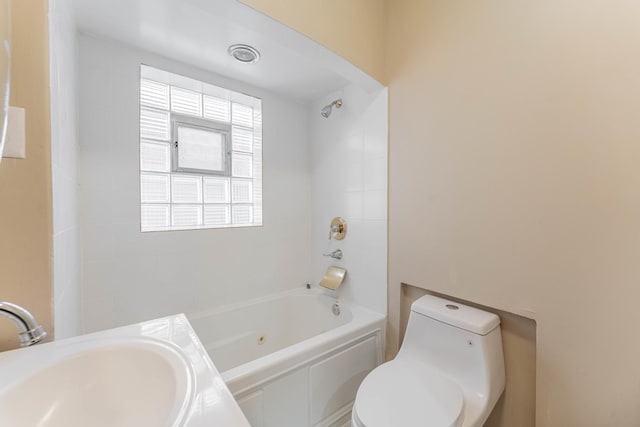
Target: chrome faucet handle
{"x":337,"y":254}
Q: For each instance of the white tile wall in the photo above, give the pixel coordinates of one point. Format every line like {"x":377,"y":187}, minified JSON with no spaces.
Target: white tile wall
{"x":349,"y":179}
{"x":128,"y":276}
{"x":64,"y":166}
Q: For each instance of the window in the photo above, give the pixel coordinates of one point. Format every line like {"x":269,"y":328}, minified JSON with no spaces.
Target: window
{"x":200,"y":154}
{"x":200,"y":147}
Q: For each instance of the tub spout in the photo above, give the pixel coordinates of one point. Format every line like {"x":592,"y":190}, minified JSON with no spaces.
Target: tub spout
{"x":30,"y":331}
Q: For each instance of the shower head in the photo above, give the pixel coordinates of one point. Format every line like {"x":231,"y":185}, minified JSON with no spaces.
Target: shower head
{"x":326,"y":111}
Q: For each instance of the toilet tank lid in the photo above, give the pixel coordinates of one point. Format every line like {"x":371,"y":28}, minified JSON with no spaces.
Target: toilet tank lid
{"x":455,"y":314}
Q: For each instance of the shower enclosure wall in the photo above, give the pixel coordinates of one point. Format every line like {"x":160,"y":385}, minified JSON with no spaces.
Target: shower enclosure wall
{"x":315,"y":168}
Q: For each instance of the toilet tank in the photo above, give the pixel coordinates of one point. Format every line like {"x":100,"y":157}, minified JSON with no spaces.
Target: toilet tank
{"x":462,"y":342}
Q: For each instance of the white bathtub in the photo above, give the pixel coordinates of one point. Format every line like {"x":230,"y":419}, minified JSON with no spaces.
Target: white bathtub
{"x":289,"y":360}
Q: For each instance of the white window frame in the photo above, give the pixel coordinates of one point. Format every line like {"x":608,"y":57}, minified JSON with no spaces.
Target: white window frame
{"x":179,"y":120}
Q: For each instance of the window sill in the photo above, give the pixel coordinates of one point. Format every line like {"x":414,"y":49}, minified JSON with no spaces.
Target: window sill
{"x":197,"y":227}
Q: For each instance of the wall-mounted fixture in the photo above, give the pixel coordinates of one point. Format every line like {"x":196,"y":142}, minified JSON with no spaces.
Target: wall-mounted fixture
{"x":337,"y":254}
{"x":333,"y":278}
{"x":244,"y":53}
{"x":326,"y":111}
{"x":338,"y":229}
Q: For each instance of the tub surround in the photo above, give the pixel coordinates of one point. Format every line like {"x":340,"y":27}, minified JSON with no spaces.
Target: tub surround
{"x":303,"y":190}
{"x":65,"y":153}
{"x":185,"y":271}
{"x":95,"y":186}
{"x":289,"y":359}
{"x":349,"y":180}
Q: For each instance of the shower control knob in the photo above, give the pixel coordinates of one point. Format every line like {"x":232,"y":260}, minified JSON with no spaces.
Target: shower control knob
{"x":337,"y":254}
{"x":338,"y":228}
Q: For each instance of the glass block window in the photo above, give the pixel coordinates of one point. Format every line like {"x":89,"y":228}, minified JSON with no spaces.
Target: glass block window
{"x":200,"y":154}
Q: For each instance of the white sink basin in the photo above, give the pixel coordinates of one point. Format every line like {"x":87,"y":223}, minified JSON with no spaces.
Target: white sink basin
{"x":135,"y":384}
{"x":153,"y":374}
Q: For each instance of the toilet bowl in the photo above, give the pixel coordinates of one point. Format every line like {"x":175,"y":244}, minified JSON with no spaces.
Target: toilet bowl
{"x":449,"y":371}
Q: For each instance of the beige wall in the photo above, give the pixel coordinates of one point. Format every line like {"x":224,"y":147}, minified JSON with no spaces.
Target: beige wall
{"x":25,"y":185}
{"x":351,"y":28}
{"x":514,"y":178}
{"x":515,"y":182}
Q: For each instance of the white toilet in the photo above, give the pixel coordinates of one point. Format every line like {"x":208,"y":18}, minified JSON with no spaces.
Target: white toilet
{"x":449,"y":371}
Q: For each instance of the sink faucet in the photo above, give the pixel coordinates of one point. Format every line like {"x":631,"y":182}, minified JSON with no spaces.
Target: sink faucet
{"x":31,"y":332}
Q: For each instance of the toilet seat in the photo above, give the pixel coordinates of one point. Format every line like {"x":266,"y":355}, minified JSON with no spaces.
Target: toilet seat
{"x":405,"y":393}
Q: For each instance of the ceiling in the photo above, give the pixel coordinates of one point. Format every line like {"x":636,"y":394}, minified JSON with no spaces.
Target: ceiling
{"x":198,"y":33}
